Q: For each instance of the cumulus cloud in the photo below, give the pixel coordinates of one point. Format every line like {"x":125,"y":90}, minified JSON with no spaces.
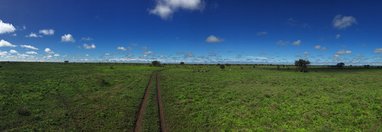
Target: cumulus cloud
{"x":4,"y":43}
{"x":213,"y":39}
{"x":67,"y":38}
{"x":33,"y":35}
{"x":297,"y":43}
{"x":343,"y":52}
{"x":338,"y":36}
{"x":47,"y":31}
{"x":48,"y":51}
{"x":282,"y":42}
{"x":166,"y":8}
{"x":13,"y":51}
{"x":3,"y":53}
{"x":86,"y":39}
{"x":262,"y":33}
{"x":31,"y":52}
{"x":6,"y":27}
{"x":147,"y":53}
{"x":89,"y":46}
{"x":29,"y":47}
{"x":342,"y":22}
{"x":123,"y":48}
{"x":378,"y":50}
{"x":319,"y":47}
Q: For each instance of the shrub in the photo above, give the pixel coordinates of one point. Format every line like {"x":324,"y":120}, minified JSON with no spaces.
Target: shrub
{"x":302,"y":65}
{"x":181,"y":63}
{"x":24,"y":111}
{"x":340,"y":65}
{"x":155,"y":63}
{"x":103,"y":82}
{"x":222,"y":67}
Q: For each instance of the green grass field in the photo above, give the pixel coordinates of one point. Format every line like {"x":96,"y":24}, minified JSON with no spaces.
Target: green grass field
{"x":70,"y":96}
{"x":272,"y":100}
{"x":106,"y":97}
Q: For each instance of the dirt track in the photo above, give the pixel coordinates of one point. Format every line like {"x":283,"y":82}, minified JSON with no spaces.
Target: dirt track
{"x":160,"y":105}
{"x":142,"y":108}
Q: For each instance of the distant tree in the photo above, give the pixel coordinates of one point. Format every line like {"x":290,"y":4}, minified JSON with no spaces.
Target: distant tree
{"x":222,"y":67}
{"x":340,"y":65}
{"x":181,"y":63}
{"x":367,"y":66}
{"x":66,"y":61}
{"x":302,"y":65}
{"x":155,"y":63}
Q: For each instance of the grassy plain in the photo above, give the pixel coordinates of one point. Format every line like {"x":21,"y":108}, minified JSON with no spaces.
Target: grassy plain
{"x":267,"y":99}
{"x":106,"y":97}
{"x":74,"y":97}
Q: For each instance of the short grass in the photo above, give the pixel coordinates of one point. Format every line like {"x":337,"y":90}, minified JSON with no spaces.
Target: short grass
{"x":70,"y":97}
{"x":266,"y":99}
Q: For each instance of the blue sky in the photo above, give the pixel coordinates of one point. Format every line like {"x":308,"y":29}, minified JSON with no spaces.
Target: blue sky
{"x":194,"y":31}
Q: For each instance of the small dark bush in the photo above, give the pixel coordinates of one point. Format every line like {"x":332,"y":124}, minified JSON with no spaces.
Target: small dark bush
{"x":156,"y":63}
{"x":340,"y":65}
{"x":222,"y":67}
{"x":103,"y":82}
{"x":181,"y":63}
{"x":24,"y":111}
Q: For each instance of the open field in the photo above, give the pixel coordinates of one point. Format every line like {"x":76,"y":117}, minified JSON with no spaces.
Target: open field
{"x":268,"y":99}
{"x":48,"y":96}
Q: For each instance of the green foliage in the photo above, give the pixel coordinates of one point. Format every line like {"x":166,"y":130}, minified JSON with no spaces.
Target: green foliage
{"x":267,"y":99}
{"x":302,"y":65}
{"x":70,"y":97}
{"x":156,"y":63}
{"x":340,"y":65}
{"x":222,"y":67}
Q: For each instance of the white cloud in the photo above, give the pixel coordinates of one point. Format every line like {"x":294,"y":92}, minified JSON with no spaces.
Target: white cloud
{"x":123,"y":48}
{"x":4,"y":43}
{"x":29,"y":47}
{"x":319,"y":47}
{"x":33,"y":35}
{"x":166,"y":8}
{"x":13,"y":51}
{"x":6,"y":27}
{"x":282,"y":42}
{"x":67,"y":38}
{"x":56,"y":55}
{"x":297,"y":43}
{"x":338,"y":36}
{"x":47,"y":31}
{"x":213,"y":39}
{"x":49,"y":51}
{"x":342,"y":22}
{"x":147,"y":53}
{"x":378,"y":50}
{"x":343,"y":52}
{"x":89,"y":46}
{"x":31,"y":52}
{"x":3,"y":53}
{"x":86,"y":39}
{"x":262,"y":33}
